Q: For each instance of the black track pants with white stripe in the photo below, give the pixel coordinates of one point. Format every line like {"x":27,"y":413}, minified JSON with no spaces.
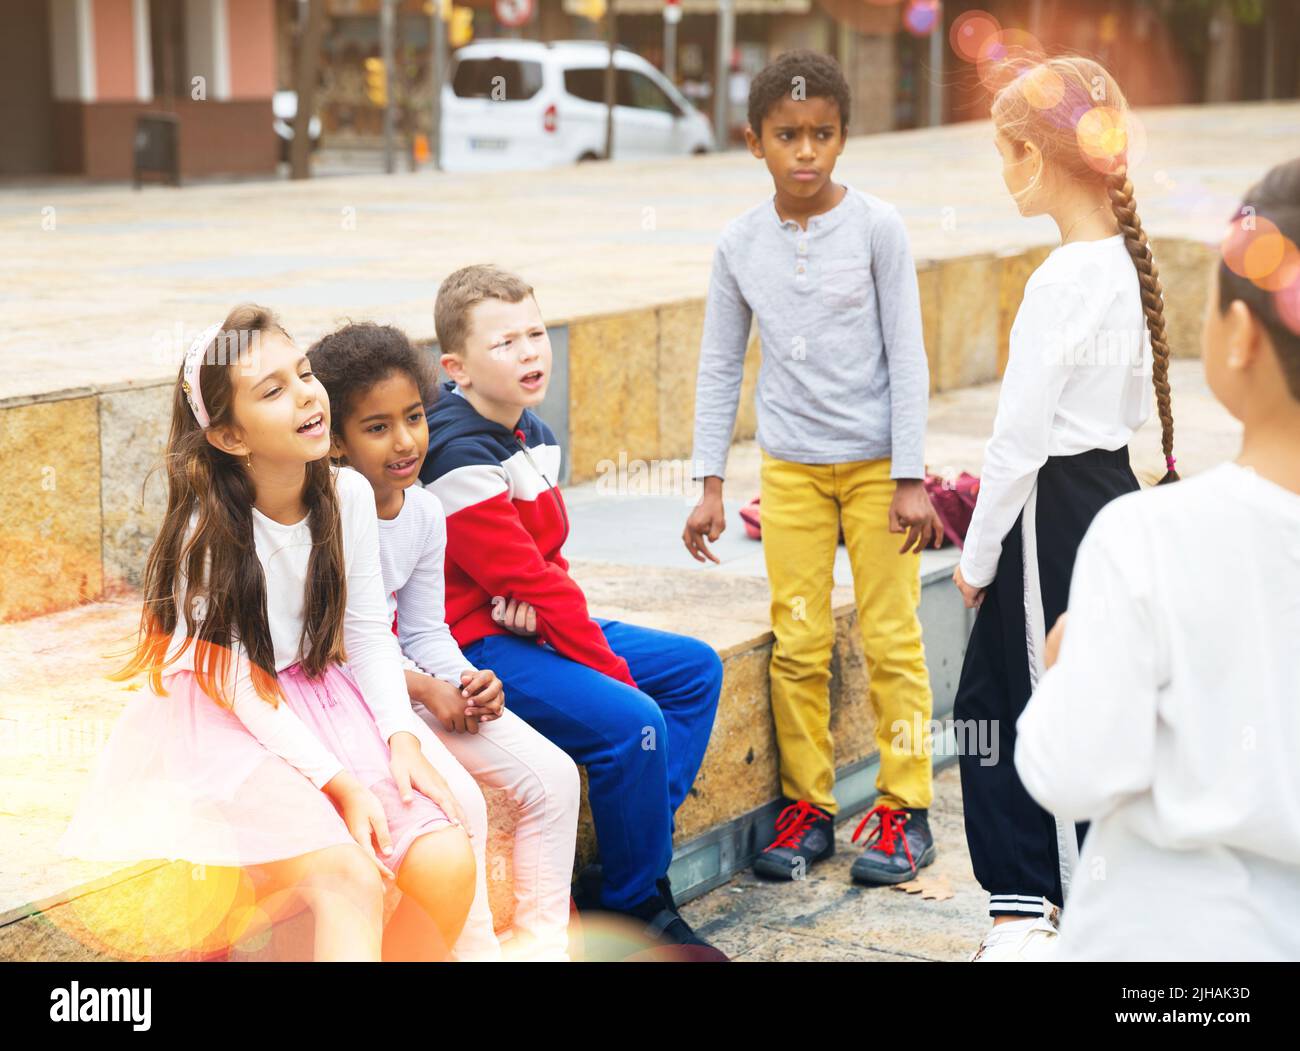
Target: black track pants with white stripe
{"x":1020,"y":853}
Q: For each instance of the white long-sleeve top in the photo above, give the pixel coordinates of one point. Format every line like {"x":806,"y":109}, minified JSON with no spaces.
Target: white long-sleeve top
{"x":412,"y":547}
{"x":1078,"y":377}
{"x":373,"y":655}
{"x":1171,"y":720}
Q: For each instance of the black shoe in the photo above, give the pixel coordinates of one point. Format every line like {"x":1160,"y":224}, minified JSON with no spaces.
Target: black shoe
{"x":664,"y":924}
{"x":899,"y":847}
{"x":805,"y":834}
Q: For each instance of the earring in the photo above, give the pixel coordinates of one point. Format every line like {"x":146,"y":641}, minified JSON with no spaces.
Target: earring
{"x":248,"y":461}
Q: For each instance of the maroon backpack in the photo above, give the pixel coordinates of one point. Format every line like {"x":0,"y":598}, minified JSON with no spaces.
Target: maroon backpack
{"x":953,"y":500}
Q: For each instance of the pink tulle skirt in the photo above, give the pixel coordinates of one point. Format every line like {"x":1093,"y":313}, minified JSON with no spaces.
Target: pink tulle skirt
{"x":181,"y":778}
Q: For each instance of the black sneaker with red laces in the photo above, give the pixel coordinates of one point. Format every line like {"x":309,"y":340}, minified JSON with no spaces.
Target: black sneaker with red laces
{"x":898,"y":847}
{"x":805,"y":834}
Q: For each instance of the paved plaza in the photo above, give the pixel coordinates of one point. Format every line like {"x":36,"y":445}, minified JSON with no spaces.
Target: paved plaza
{"x":103,"y":285}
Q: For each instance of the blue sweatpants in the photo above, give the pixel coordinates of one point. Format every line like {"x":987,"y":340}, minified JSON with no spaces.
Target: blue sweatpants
{"x":642,"y":747}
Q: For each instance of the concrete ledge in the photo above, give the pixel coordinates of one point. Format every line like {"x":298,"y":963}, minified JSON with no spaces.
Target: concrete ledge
{"x":73,"y":463}
{"x":174,"y":911}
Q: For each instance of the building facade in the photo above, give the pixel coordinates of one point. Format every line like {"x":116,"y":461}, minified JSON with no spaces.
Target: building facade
{"x":75,"y":75}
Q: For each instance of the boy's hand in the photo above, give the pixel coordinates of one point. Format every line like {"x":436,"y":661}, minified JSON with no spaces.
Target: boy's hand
{"x":911,"y":511}
{"x":708,"y":519}
{"x":412,"y":769}
{"x":1052,"y":645}
{"x":364,"y":815}
{"x":972,"y":596}
{"x":445,"y":701}
{"x":485,"y":693}
{"x":514,"y":615}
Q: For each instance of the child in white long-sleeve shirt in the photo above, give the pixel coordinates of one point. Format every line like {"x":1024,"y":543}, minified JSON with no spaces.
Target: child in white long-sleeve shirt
{"x":1087,"y":350}
{"x":1171,"y":719}
{"x":379,"y":388}
{"x":255,"y":747}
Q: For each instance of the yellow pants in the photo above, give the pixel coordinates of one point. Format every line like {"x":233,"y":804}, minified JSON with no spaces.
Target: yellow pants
{"x":803,"y":507}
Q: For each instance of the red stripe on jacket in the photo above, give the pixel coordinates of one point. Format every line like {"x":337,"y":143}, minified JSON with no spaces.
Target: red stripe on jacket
{"x":500,"y":546}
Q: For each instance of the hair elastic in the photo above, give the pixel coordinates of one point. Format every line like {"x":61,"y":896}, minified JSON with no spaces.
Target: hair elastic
{"x":1171,"y":460}
{"x":190,"y":374}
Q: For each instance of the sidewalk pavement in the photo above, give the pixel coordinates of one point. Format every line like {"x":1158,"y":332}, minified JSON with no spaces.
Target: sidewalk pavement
{"x":828,"y":918}
{"x":106,"y":285}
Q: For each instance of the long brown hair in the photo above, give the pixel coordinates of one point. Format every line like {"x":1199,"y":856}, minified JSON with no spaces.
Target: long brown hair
{"x":1074,"y":112}
{"x":210,"y":575}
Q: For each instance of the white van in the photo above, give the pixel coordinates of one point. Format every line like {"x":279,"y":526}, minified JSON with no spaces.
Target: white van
{"x":513,"y":104}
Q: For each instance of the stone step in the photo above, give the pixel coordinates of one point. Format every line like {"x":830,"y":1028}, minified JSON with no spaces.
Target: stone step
{"x":57,"y":909}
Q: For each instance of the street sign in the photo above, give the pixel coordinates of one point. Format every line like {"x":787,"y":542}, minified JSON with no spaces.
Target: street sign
{"x":512,"y":13}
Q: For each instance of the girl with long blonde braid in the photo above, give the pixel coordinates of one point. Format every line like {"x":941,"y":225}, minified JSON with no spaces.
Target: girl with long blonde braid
{"x":1087,"y":348}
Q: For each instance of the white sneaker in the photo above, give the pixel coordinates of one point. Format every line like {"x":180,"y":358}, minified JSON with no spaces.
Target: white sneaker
{"x":1033,"y":939}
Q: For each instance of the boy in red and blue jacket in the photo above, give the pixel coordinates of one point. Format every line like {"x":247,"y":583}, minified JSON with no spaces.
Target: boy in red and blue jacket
{"x":633,"y":705}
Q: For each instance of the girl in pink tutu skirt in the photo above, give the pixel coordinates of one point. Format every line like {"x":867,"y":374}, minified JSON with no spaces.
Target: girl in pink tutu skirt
{"x":255,"y":746}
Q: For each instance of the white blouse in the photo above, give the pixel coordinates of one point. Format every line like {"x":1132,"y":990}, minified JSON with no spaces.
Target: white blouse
{"x":374,"y":658}
{"x":1078,"y":377}
{"x":412,"y":547}
{"x":1172,"y":721}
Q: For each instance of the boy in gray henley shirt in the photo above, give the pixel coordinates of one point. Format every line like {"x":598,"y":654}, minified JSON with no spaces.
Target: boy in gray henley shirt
{"x":842,"y":397}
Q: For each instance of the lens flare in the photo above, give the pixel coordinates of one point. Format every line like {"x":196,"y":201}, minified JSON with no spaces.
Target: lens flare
{"x":921,"y":17}
{"x":1043,"y":87}
{"x":1262,"y":257}
{"x":969,"y":32}
{"x":1136,"y":132}
{"x":1103,"y":137}
{"x":1286,"y":274}
{"x":1006,"y":54}
{"x":1288,"y":306}
{"x":1253,"y":247}
{"x":606,"y":938}
{"x":249,"y":928}
{"x":177,"y":910}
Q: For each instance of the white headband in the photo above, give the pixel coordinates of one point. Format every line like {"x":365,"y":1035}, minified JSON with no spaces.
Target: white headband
{"x":190,"y":374}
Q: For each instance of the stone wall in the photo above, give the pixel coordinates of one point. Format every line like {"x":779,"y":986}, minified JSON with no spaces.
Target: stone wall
{"x":78,"y":519}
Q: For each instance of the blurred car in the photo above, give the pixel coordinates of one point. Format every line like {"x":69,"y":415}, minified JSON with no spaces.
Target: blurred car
{"x":512,"y":104}
{"x":284,"y":108}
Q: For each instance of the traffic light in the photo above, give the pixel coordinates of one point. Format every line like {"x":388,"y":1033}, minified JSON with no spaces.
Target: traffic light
{"x":376,"y":82}
{"x":460,"y":30}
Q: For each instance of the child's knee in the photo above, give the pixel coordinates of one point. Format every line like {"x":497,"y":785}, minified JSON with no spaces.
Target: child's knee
{"x":346,"y":870}
{"x":442,"y":860}
{"x":807,"y":655}
{"x":709,"y":665}
{"x":644,"y":733}
{"x":550,"y":783}
{"x":456,"y":864}
{"x":563,"y":785}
